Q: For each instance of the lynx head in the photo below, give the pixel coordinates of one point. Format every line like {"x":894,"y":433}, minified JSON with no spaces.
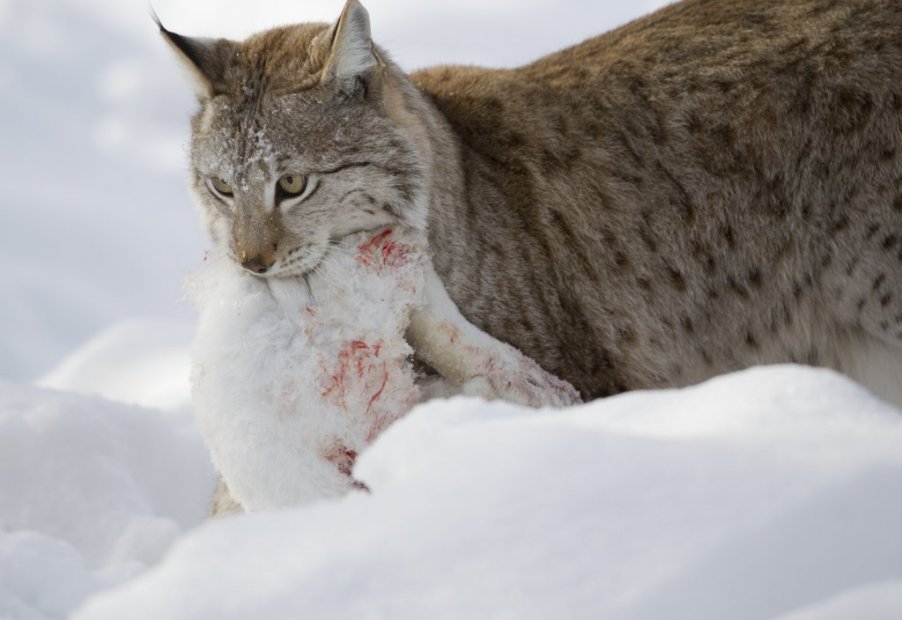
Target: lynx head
{"x":297,"y":141}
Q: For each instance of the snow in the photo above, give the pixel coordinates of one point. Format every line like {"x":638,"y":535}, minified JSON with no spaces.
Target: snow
{"x":773,"y":492}
{"x":138,"y":361}
{"x":879,"y":601}
{"x":781,"y":490}
{"x":87,"y":497}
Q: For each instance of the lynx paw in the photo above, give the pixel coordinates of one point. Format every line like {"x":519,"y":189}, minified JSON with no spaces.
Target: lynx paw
{"x":523,"y":382}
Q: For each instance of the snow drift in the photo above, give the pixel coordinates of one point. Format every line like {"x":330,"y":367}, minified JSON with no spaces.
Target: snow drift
{"x":91,"y":493}
{"x":760,"y":493}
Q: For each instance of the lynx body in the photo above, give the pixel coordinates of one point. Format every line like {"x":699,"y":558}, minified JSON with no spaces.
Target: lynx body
{"x":713,"y":186}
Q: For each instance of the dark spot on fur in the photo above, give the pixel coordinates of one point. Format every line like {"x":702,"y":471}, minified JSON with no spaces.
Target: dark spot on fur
{"x":729,"y":237}
{"x":886,"y":299}
{"x":878,"y":282}
{"x":839,"y":225}
{"x":686,"y":322}
{"x":890,"y":242}
{"x":725,"y":136}
{"x":676,"y":278}
{"x":871,"y":231}
{"x":750,"y":340}
{"x":861,"y":303}
{"x":755,"y":278}
{"x":723,"y":86}
{"x":853,"y":109}
{"x":806,"y":206}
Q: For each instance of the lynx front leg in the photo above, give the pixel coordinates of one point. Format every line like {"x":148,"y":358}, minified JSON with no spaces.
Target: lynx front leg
{"x":482,"y":365}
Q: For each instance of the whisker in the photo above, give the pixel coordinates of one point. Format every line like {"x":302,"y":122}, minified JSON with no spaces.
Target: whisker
{"x":306,"y":278}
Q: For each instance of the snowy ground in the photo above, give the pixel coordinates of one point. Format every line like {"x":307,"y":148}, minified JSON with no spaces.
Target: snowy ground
{"x":775,"y":491}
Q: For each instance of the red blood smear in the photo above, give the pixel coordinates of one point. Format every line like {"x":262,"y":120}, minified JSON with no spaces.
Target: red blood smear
{"x":341,"y":456}
{"x":366,"y":253}
{"x":357,"y":357}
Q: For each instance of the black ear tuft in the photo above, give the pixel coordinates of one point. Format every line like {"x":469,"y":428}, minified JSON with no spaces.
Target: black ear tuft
{"x":205,"y":59}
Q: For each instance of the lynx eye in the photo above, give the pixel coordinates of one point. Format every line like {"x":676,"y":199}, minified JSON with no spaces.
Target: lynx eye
{"x":292,"y":184}
{"x":221,"y":186}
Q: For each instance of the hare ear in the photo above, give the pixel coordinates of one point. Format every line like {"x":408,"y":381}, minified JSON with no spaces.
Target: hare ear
{"x":205,"y":60}
{"x":352,"y":55}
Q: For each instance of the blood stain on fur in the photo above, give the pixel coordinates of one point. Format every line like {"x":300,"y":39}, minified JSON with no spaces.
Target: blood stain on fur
{"x":382,"y":251}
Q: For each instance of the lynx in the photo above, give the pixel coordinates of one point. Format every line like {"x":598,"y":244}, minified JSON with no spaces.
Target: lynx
{"x":713,"y":186}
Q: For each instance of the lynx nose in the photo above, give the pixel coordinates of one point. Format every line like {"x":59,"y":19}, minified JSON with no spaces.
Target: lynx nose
{"x":256,"y":265}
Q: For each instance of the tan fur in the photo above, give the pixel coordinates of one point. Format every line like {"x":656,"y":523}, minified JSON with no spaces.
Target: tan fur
{"x":224,"y":505}
{"x":714,"y":186}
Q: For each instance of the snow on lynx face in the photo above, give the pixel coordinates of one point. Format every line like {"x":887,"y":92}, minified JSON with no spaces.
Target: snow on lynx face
{"x":284,"y":174}
{"x":715,"y":186}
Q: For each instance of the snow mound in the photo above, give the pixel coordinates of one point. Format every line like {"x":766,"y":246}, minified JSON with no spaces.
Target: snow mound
{"x":91,"y":493}
{"x":139,"y":361}
{"x":881,"y":601}
{"x":752,"y":495}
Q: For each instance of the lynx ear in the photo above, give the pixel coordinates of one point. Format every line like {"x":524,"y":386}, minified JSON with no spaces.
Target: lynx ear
{"x":352,"y":54}
{"x":205,"y":60}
